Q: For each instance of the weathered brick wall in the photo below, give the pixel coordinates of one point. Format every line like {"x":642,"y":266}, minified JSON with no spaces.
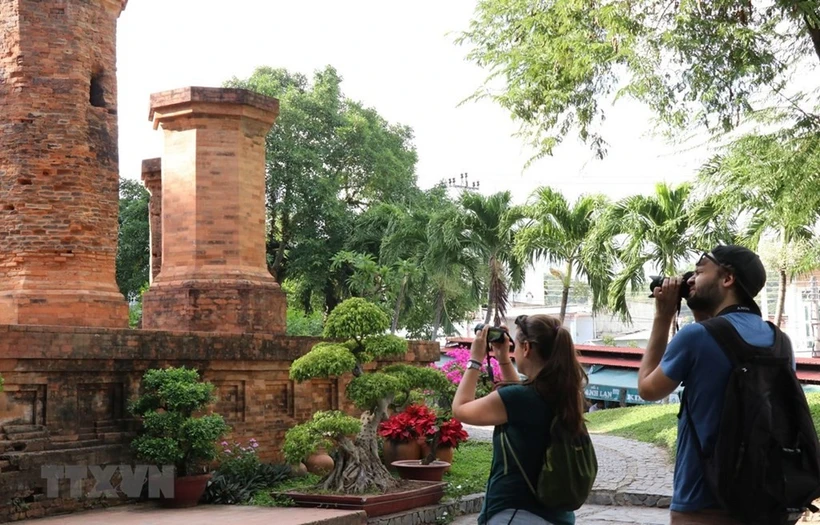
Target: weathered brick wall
{"x":59,"y":163}
{"x":75,"y":384}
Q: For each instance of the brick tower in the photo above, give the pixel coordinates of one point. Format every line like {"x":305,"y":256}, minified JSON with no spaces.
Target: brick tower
{"x":59,"y":163}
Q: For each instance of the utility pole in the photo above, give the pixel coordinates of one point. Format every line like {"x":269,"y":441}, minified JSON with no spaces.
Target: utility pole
{"x":462,"y":182}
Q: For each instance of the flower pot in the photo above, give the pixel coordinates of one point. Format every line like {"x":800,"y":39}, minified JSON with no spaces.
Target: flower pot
{"x":414,"y":469}
{"x":299,"y":470}
{"x":398,"y":451}
{"x":319,"y":463}
{"x":188,"y":490}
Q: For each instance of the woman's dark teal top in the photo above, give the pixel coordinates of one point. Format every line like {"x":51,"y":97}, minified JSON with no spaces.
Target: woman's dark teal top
{"x":527,"y":428}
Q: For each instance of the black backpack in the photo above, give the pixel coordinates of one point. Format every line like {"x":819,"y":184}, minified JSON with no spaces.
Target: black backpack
{"x":764,"y":468}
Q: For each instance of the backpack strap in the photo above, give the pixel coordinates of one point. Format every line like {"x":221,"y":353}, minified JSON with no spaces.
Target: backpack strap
{"x":505,"y":444}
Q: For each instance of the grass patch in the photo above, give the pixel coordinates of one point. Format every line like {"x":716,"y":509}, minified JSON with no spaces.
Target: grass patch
{"x":470,"y":470}
{"x":657,"y":424}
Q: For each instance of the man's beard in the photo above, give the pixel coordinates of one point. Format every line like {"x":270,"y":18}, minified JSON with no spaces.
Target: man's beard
{"x":704,"y":300}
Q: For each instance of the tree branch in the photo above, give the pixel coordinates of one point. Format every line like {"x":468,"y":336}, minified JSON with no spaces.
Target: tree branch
{"x":814,"y":33}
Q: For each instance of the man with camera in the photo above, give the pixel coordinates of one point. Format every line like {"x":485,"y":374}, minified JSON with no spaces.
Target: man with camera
{"x":724,"y":284}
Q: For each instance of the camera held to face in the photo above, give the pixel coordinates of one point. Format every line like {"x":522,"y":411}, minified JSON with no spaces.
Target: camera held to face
{"x":494,"y":335}
{"x":656,"y":281}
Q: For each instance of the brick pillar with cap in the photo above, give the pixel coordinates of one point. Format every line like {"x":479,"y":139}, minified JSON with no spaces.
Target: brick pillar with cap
{"x":152,"y":179}
{"x":214,"y":274}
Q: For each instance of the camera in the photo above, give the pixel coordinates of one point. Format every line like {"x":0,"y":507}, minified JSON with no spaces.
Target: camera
{"x":494,"y":335}
{"x":656,"y":281}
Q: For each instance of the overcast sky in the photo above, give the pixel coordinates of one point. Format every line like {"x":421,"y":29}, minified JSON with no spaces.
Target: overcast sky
{"x":398,"y":57}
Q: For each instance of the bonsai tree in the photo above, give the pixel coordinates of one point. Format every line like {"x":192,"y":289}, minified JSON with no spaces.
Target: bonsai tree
{"x":171,"y":434}
{"x":360,"y":327}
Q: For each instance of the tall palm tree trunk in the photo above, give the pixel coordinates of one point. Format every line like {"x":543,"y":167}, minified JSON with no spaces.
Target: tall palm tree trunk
{"x":565,"y":292}
{"x":437,"y":315}
{"x":397,"y":310}
{"x":781,"y":297}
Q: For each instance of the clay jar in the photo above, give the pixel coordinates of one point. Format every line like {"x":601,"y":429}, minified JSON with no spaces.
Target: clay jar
{"x":400,"y":450}
{"x":319,"y":463}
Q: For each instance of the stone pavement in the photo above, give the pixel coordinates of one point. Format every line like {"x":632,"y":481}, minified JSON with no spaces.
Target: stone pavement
{"x":603,"y":515}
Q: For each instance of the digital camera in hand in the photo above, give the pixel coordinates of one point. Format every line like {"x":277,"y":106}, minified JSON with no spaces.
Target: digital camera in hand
{"x":656,"y":281}
{"x":494,"y":335}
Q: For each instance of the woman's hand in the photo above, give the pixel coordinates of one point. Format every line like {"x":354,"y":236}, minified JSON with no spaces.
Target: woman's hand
{"x":478,"y":351}
{"x":501,"y":349}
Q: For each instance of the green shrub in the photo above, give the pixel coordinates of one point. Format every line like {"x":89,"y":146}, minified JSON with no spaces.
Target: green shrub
{"x":241,"y":474}
{"x":171,"y":435}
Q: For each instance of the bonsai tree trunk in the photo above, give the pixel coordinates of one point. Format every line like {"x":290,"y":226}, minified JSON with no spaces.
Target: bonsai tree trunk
{"x":358,"y":467}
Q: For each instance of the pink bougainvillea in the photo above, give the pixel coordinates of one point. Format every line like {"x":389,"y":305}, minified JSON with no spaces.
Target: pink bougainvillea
{"x":454,"y":370}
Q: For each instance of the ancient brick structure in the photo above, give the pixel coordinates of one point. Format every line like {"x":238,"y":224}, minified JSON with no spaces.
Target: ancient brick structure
{"x":152,"y":178}
{"x":58,"y":163}
{"x":67,"y":390}
{"x":214,"y":274}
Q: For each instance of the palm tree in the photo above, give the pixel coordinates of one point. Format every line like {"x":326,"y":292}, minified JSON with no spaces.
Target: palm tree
{"x":666,"y":230}
{"x":451,"y":265}
{"x":773,"y":180}
{"x":564,"y":234}
{"x":488,"y":223}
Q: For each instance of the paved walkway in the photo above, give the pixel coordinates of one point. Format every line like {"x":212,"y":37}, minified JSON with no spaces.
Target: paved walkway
{"x":603,"y":515}
{"x":150,"y":514}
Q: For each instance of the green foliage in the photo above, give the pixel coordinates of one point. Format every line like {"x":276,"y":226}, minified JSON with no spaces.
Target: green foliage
{"x":300,"y":323}
{"x":327,"y":159}
{"x":368,"y":389}
{"x":171,"y":435}
{"x":241,"y":475}
{"x":326,"y":426}
{"x":1,"y":383}
{"x":386,"y":345}
{"x":133,"y":252}
{"x":706,"y":64}
{"x":323,"y":360}
{"x":356,"y":318}
{"x":417,"y":377}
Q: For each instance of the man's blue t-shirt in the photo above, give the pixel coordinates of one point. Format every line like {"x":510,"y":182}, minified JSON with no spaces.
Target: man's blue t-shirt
{"x":694,"y":357}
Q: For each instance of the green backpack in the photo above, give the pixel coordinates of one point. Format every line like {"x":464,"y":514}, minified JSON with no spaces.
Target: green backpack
{"x":569,"y":469}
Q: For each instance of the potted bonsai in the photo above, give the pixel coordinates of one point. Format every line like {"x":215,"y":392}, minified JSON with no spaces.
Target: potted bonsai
{"x":172,"y":436}
{"x":442,"y":433}
{"x":359,"y":327}
{"x":442,"y":439}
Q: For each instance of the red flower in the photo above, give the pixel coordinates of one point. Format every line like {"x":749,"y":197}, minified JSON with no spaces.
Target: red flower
{"x":452,"y":433}
{"x":415,"y":422}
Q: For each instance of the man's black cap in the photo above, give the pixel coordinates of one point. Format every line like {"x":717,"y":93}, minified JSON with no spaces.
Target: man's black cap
{"x":750,"y":275}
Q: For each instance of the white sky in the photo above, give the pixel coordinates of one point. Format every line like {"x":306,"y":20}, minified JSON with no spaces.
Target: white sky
{"x":398,"y":57}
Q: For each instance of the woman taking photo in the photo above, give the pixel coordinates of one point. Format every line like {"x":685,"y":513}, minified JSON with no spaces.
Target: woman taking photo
{"x":524,"y":411}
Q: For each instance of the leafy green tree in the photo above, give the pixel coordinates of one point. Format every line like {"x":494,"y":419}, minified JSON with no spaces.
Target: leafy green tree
{"x":692,"y":62}
{"x":564,"y":233}
{"x":133,"y":252}
{"x":328,"y":159}
{"x":771,"y":180}
{"x":362,"y":325}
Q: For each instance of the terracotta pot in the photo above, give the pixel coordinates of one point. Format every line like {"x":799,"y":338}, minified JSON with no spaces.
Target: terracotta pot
{"x":414,"y":469}
{"x":188,"y":490}
{"x":398,"y":451}
{"x":319,"y":463}
{"x":299,"y":470}
{"x":442,"y":454}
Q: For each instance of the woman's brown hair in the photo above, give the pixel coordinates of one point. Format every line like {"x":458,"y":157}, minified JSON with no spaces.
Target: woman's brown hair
{"x":562,"y":379}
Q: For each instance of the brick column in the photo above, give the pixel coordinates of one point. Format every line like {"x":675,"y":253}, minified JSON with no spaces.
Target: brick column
{"x":152,"y":178}
{"x":214,"y":271}
{"x":59,"y":166}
